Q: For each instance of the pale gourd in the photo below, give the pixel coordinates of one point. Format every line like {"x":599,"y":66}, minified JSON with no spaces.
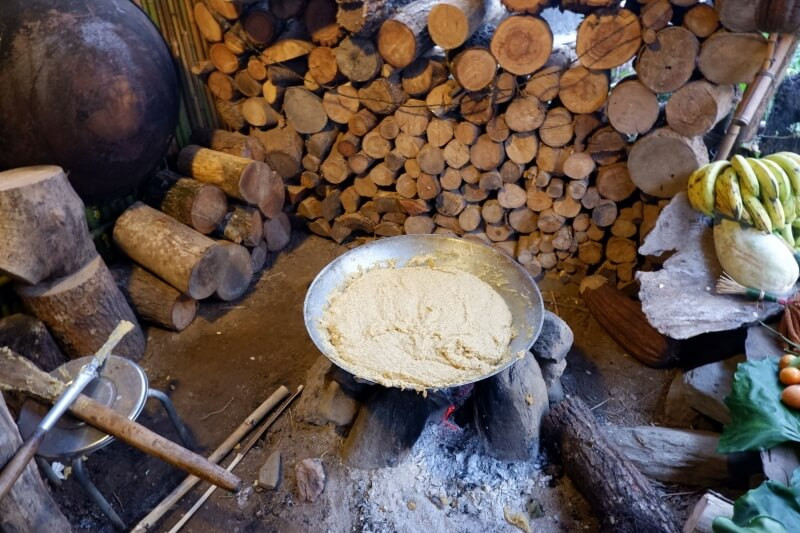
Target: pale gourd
{"x":755,"y":259}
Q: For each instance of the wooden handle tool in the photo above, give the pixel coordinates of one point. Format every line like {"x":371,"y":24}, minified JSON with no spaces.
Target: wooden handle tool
{"x":17,"y":373}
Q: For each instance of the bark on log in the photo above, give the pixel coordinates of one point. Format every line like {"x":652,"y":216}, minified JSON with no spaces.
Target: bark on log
{"x":194,"y":203}
{"x":623,"y":499}
{"x":28,"y":336}
{"x":185,"y":259}
{"x":660,"y":163}
{"x":404,"y":37}
{"x":152,"y":299}
{"x":522,"y":44}
{"x":29,"y":505}
{"x":364,"y":18}
{"x":229,"y":142}
{"x":608,"y":41}
{"x":422,"y":75}
{"x":241,"y":225}
{"x":206,"y":23}
{"x":696,"y":107}
{"x":82,"y":309}
{"x":245,"y":179}
{"x":43,"y":225}
{"x":235,"y":278}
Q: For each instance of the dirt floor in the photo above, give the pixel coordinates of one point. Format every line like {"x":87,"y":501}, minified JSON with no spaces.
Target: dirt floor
{"x":235,"y":355}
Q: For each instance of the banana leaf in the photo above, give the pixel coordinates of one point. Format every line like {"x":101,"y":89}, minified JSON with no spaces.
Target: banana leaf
{"x":770,"y":508}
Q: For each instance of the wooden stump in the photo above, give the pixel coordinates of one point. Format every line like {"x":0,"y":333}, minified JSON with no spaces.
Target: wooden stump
{"x":386,"y":428}
{"x":185,"y":259}
{"x":621,"y":496}
{"x":28,"y":336}
{"x":152,"y":299}
{"x":404,"y":36}
{"x":194,"y":203}
{"x":452,"y":22}
{"x":82,"y":309}
{"x":43,"y":225}
{"x":29,"y":505}
{"x":632,"y":108}
{"x":660,"y":163}
{"x":582,"y":90}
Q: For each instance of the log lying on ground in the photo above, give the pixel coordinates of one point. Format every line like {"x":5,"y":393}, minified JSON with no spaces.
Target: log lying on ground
{"x":194,"y":203}
{"x":621,"y":496}
{"x":682,"y":456}
{"x":245,"y":179}
{"x":28,"y":336}
{"x":708,"y":507}
{"x":229,"y":142}
{"x":28,"y":506}
{"x":624,"y":321}
{"x":82,"y":309}
{"x":182,"y":257}
{"x":43,"y":225}
{"x":152,"y":299}
{"x":660,"y":163}
{"x":237,"y":274}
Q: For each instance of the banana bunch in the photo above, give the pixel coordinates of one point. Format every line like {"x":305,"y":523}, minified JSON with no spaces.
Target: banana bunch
{"x":763,"y":193}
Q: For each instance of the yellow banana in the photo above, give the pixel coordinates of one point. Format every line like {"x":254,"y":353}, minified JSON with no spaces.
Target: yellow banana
{"x":790,"y":209}
{"x":747,"y":178}
{"x":789,"y":165}
{"x":766,"y":182}
{"x":761,"y":219}
{"x":775,"y":210}
{"x":784,"y":185}
{"x":701,"y":186}
{"x":728,"y":201}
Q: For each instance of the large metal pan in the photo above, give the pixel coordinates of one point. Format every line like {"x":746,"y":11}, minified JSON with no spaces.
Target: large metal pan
{"x":504,"y":275}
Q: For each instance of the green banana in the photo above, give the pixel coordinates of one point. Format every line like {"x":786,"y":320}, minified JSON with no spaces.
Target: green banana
{"x":701,"y":186}
{"x":747,"y":178}
{"x":728,"y":199}
{"x":761,"y":219}
{"x":790,"y":166}
{"x":767,"y":183}
{"x":786,"y":233}
{"x":784,"y":185}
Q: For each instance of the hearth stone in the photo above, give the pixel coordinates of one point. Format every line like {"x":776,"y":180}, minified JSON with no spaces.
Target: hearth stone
{"x":324,"y":400}
{"x":386,"y":428}
{"x":352,"y":386}
{"x":508,"y":410}
{"x":337,"y":407}
{"x":310,"y":479}
{"x":555,"y":339}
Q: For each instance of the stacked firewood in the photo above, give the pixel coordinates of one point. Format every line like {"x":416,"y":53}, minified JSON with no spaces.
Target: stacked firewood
{"x":461,"y":118}
{"x":204,"y":232}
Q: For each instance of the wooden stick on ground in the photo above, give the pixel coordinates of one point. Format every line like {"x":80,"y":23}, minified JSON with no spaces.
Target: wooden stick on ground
{"x":216,"y":456}
{"x":238,"y":459}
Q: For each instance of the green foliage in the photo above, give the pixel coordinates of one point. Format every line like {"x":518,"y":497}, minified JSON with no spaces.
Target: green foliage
{"x":759,"y":420}
{"x":770,"y":508}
